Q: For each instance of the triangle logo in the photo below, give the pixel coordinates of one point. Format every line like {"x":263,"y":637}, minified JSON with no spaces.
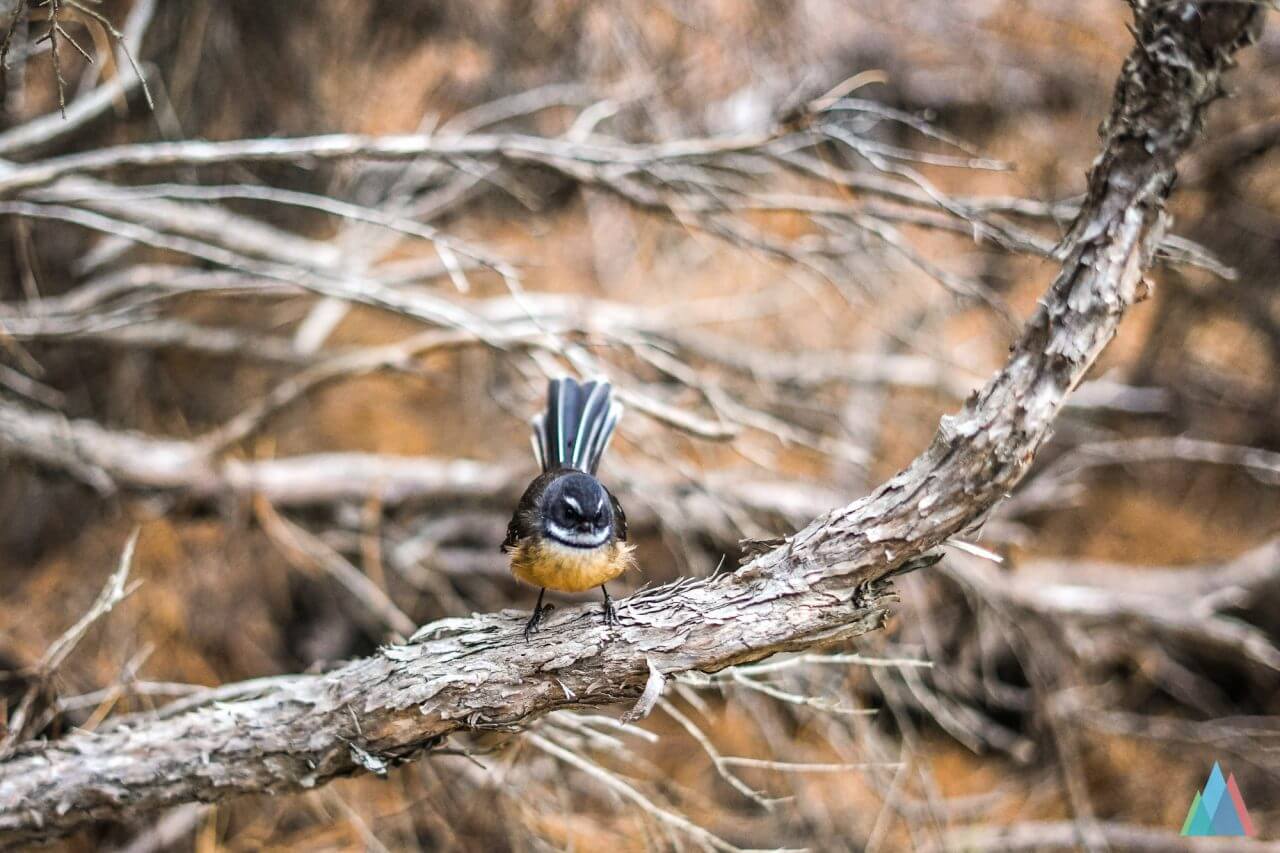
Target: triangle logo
{"x":1218,"y":809}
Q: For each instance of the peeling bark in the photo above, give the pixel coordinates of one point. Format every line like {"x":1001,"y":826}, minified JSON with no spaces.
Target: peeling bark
{"x":825,"y":583}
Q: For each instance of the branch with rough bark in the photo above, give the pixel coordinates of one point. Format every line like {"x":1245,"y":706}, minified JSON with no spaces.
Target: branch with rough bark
{"x":826,"y":583}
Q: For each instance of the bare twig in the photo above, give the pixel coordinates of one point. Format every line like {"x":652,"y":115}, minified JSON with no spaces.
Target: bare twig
{"x":113,"y":592}
{"x":613,"y":783}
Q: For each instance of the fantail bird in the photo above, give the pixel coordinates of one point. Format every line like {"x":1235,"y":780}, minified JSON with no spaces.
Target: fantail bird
{"x":568,"y":532}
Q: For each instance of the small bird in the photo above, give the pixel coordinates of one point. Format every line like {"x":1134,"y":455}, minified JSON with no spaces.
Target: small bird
{"x":568,"y":532}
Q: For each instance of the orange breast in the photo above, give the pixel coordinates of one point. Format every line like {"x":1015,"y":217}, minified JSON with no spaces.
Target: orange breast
{"x":558,"y":567}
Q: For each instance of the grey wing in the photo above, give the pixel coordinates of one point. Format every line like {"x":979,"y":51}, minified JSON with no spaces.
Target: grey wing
{"x":524,"y":520}
{"x":513,"y":533}
{"x":619,"y":518}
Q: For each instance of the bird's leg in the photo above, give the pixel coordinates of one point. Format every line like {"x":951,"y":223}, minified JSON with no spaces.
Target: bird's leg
{"x":531,"y":627}
{"x":610,"y":618}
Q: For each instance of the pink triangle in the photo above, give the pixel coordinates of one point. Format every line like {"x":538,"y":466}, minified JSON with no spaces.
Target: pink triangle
{"x":1241,"y":811}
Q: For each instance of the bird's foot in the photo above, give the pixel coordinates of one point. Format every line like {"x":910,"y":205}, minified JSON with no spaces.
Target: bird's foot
{"x":535,"y":620}
{"x":610,"y":617}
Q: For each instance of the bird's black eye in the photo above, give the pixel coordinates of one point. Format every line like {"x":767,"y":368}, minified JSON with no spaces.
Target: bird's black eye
{"x":569,"y":512}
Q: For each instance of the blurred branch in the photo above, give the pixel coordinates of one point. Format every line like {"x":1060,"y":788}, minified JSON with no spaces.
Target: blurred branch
{"x":706,"y":184}
{"x":112,"y":460}
{"x":1231,"y":152}
{"x":1060,"y":479}
{"x":559,"y":154}
{"x":823,"y":584}
{"x":1122,"y":613}
{"x":1065,"y":835}
{"x":302,"y":548}
{"x":109,"y":459}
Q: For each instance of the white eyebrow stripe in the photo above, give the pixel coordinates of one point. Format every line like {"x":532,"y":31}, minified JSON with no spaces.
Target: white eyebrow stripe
{"x":573,"y":502}
{"x":600,"y":504}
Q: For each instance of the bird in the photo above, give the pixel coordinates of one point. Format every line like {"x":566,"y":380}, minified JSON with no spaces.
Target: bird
{"x":568,"y":532}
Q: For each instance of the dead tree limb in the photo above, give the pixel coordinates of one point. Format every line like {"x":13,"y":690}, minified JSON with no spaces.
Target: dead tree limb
{"x":825,"y":583}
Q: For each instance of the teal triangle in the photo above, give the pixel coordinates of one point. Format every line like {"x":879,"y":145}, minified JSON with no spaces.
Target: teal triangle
{"x":1225,"y":820}
{"x":1201,"y":821}
{"x":1191,"y":814}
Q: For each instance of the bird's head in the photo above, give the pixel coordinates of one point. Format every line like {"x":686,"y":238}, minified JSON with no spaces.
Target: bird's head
{"x":577,"y":512}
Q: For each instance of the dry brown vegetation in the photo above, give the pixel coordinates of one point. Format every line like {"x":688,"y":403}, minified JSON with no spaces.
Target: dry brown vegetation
{"x":788,"y":318}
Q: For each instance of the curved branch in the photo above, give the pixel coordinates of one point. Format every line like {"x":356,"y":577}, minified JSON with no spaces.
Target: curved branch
{"x":825,"y":583}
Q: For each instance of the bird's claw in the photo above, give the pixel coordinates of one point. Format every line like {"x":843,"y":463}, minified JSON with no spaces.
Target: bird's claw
{"x":535,"y":620}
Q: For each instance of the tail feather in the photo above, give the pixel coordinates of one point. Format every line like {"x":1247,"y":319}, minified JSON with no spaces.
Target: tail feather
{"x":576,"y":427}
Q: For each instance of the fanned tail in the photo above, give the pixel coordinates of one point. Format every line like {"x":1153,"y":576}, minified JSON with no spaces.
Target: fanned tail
{"x":576,"y":427}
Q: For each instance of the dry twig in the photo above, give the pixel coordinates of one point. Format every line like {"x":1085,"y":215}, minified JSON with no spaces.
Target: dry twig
{"x":113,"y":592}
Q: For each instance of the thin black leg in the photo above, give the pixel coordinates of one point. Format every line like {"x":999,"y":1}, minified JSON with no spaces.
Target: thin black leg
{"x":610,"y":618}
{"x":531,"y":627}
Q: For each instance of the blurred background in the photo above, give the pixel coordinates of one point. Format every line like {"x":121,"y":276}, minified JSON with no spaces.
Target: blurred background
{"x":307,"y":382}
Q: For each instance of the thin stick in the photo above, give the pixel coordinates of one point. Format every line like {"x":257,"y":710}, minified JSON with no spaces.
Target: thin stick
{"x":113,"y":592}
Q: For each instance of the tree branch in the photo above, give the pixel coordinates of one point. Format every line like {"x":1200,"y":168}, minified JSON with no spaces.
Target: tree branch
{"x":823,"y":584}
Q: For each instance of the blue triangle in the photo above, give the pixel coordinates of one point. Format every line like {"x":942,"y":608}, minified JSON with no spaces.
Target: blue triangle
{"x":1225,"y":820}
{"x":1214,"y":790}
